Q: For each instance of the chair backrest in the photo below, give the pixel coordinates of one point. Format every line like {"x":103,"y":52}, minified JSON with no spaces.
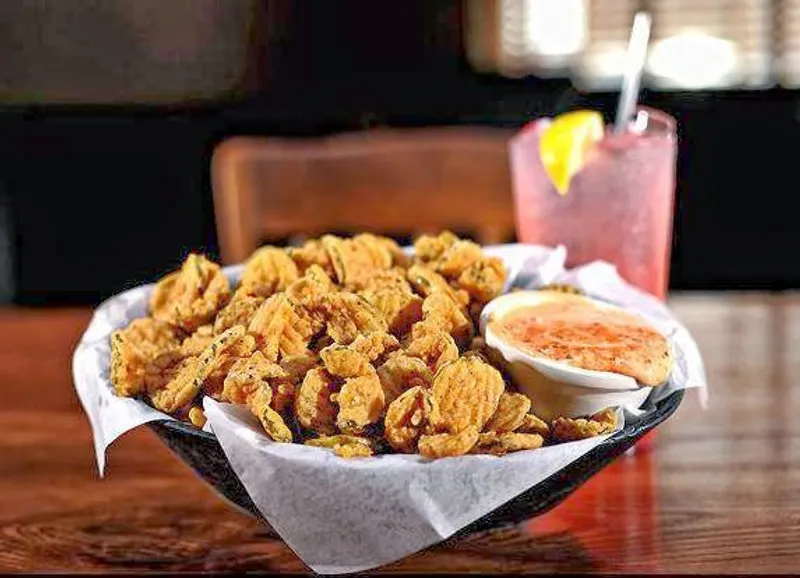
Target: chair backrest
{"x":391,"y":181}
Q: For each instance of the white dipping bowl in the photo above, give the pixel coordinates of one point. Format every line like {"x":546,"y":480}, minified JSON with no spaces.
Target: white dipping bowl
{"x":557,"y":388}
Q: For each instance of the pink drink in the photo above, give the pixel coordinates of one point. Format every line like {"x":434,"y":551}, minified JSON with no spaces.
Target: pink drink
{"x":618,"y":207}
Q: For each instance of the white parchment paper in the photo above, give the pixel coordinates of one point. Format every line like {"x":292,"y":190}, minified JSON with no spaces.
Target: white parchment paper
{"x":343,"y":516}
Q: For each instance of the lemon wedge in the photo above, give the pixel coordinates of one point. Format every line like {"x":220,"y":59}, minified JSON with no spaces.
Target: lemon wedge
{"x":565,"y":143}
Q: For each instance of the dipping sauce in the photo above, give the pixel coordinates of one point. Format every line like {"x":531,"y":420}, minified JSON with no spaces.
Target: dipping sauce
{"x":574,"y":330}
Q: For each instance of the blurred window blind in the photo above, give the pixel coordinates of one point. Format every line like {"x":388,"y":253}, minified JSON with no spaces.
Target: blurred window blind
{"x":695,"y":44}
{"x":787,"y":24}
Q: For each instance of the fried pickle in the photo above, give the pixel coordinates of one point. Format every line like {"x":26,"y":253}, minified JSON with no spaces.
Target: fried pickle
{"x":281,"y":328}
{"x":500,"y":444}
{"x":467,"y":392}
{"x":191,"y":296}
{"x":313,"y":406}
{"x":512,"y":408}
{"x":407,"y":417}
{"x":401,"y":372}
{"x":133,"y":348}
{"x":448,"y":444}
{"x":565,"y":429}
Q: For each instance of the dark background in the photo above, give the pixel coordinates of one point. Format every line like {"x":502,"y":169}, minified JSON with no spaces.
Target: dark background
{"x":105,"y":184}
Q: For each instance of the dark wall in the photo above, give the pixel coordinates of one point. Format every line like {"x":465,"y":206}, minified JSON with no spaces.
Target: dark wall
{"x":105,"y":197}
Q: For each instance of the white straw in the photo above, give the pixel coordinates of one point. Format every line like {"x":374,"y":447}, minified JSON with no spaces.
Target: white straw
{"x":637,"y":51}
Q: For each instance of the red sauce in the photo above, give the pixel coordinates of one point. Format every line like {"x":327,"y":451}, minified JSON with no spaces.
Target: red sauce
{"x":578,"y":332}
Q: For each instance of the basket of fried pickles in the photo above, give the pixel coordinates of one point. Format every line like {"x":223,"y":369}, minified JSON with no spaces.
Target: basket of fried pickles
{"x":352,"y":345}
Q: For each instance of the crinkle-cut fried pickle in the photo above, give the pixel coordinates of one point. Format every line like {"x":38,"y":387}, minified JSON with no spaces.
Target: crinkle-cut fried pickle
{"x":239,"y":311}
{"x":197,"y":417}
{"x":448,"y":444}
{"x":432,"y":345}
{"x":376,"y":346}
{"x":401,"y":372}
{"x":467,"y":392}
{"x":194,"y":344}
{"x":361,"y":403}
{"x":188,"y":381}
{"x":426,"y":281}
{"x":345,"y":446}
{"x":281,"y":328}
{"x":274,"y":425}
{"x":296,"y":366}
{"x":354,"y":259}
{"x":394,"y":279}
{"x":312,"y":252}
{"x":313,"y":406}
{"x":242,"y":348}
{"x":246,"y":375}
{"x":398,"y":257}
{"x":133,"y":348}
{"x":565,"y":429}
{"x":502,"y":443}
{"x":534,"y":424}
{"x":191,"y":296}
{"x":429,"y":247}
{"x":510,"y":413}
{"x":484,"y":280}
{"x":348,"y":315}
{"x":269,"y":270}
{"x":310,"y":289}
{"x":343,"y":362}
{"x":160,"y":370}
{"x":440,"y":310}
{"x":407,"y":418}
{"x":457,"y":258}
{"x":400,"y":309}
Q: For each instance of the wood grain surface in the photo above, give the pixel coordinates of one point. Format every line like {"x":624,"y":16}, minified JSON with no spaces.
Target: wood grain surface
{"x":717,"y":494}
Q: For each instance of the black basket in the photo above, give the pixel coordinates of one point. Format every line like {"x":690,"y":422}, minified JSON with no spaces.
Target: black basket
{"x":201,"y":451}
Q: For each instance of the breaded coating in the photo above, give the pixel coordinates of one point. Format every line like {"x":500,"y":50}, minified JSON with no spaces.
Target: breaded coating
{"x":197,"y":416}
{"x":361,"y":403}
{"x":401,"y":372}
{"x":133,"y":348}
{"x":348,"y":315}
{"x":354,"y":260}
{"x":407,"y":417}
{"x":269,"y":270}
{"x":239,"y":311}
{"x":510,"y":413}
{"x":439,"y":309}
{"x":429,"y":248}
{"x":345,"y":446}
{"x":313,"y":406}
{"x":457,"y":258}
{"x":448,"y":444}
{"x":312,"y":253}
{"x":394,"y":279}
{"x":376,"y":346}
{"x":484,"y":279}
{"x":246,"y":375}
{"x":534,"y":424}
{"x":191,"y":296}
{"x":565,"y":429}
{"x":432,"y":345}
{"x":467,"y":392}
{"x":188,"y":381}
{"x":281,"y":328}
{"x":242,"y":348}
{"x":400,"y":309}
{"x":499,"y":444}
{"x":343,"y":362}
{"x":426,"y":281}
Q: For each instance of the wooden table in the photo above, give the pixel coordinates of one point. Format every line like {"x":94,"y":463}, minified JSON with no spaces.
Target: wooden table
{"x":718,"y":494}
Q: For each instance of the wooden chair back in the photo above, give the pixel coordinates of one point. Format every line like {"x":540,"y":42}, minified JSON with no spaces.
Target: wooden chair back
{"x":398,"y":182}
